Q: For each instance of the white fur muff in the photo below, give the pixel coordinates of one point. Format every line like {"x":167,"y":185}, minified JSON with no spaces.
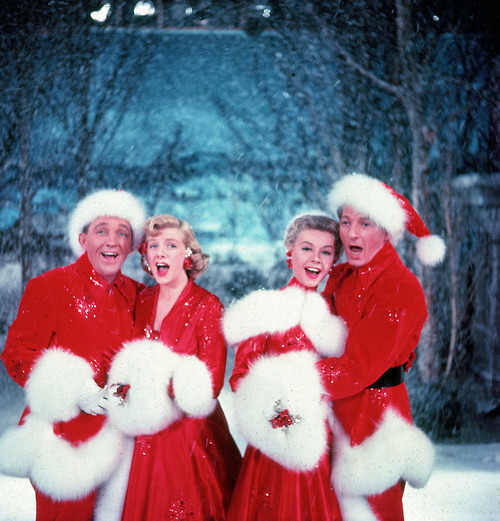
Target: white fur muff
{"x":288,"y":381}
{"x":292,"y":381}
{"x":147,"y":367}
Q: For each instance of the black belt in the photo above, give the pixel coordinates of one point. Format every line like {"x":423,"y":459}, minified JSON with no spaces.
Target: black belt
{"x":392,"y":377}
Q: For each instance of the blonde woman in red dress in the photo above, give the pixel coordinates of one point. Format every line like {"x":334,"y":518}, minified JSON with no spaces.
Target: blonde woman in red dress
{"x":185,"y":461}
{"x":279,"y":335}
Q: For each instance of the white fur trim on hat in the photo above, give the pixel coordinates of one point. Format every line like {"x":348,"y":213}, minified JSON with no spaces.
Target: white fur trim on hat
{"x":396,"y":451}
{"x":369,"y":197}
{"x":273,"y":311}
{"x":57,"y":468}
{"x":275,"y":383}
{"x":192,"y":382}
{"x":389,"y":210}
{"x":54,"y":386}
{"x":106,"y":203}
{"x":147,"y":366}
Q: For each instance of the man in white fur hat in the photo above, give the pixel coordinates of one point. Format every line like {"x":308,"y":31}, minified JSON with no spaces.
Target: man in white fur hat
{"x":71,"y":321}
{"x":384,"y":308}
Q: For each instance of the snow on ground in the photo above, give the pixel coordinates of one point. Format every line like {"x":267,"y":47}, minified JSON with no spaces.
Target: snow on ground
{"x":457,"y":491}
{"x":465,"y":486}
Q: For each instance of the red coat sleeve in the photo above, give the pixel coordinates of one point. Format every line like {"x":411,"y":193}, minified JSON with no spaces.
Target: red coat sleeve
{"x":246,"y":354}
{"x":31,"y":331}
{"x":384,"y":336}
{"x":212,"y":349}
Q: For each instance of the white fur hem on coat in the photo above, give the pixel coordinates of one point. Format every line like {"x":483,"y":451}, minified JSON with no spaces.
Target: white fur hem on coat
{"x":111,"y":495}
{"x":55,"y":383}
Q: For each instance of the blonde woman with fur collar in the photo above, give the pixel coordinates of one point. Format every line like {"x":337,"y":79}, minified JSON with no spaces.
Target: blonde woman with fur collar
{"x":279,"y":336}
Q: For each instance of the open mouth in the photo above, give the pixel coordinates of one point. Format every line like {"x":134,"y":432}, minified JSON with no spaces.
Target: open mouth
{"x":313,"y":271}
{"x":162,"y":268}
{"x":356,"y":250}
{"x":109,"y":255}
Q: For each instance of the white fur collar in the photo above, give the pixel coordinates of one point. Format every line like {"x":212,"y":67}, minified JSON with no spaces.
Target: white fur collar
{"x":273,"y":311}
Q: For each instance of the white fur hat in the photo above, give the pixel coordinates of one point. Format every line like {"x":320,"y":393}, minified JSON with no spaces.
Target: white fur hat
{"x":106,"y":203}
{"x":388,"y":209}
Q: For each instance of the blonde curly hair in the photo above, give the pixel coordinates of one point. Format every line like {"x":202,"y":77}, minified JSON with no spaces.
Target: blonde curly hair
{"x":313,"y":221}
{"x":154,"y":226}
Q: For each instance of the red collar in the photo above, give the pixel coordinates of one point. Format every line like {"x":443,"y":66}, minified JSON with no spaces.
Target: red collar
{"x":296,"y":283}
{"x":368,"y":273}
{"x":93,"y":280}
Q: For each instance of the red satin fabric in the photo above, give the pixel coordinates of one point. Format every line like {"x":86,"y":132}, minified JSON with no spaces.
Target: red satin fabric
{"x":49,"y":510}
{"x":389,"y":505}
{"x":187,"y":472}
{"x":266,"y":491}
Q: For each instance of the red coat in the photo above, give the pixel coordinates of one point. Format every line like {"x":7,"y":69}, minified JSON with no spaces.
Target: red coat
{"x":270,"y":326}
{"x":71,"y":307}
{"x":74,"y":309}
{"x":188,"y":469}
{"x":384,"y":308}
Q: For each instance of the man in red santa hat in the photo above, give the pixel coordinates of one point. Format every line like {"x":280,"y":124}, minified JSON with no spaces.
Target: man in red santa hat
{"x":71,"y":321}
{"x":384,"y":308}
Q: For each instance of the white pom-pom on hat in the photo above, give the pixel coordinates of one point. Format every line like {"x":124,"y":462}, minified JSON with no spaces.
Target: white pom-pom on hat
{"x":431,"y":250}
{"x":389,"y":210}
{"x":106,"y":203}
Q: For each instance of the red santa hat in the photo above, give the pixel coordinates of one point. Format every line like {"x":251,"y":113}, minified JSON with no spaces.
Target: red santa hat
{"x":106,"y":203}
{"x":389,"y":210}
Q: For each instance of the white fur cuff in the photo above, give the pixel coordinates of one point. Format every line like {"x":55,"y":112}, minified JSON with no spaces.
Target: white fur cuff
{"x":280,"y":411}
{"x":193,"y":387}
{"x":57,"y":468}
{"x":396,"y":451}
{"x":55,"y":383}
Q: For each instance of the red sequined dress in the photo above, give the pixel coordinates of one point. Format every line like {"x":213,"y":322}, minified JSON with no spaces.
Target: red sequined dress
{"x":188,"y":470}
{"x":267,"y":490}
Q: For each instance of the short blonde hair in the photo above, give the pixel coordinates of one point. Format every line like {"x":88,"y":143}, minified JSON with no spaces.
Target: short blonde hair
{"x":154,"y":226}
{"x":313,"y":221}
